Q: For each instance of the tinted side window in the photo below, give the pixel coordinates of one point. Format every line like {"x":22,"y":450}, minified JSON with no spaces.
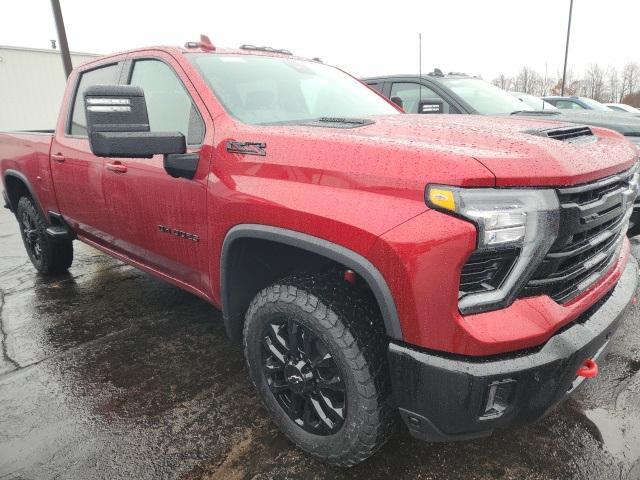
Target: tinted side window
{"x":567,"y":104}
{"x":410,"y":94}
{"x":99,"y":76}
{"x":168,"y":104}
{"x":375,"y":85}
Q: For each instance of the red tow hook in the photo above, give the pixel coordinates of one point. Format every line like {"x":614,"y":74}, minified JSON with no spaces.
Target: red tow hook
{"x":589,"y":369}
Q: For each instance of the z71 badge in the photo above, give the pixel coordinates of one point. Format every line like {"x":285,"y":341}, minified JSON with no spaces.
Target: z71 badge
{"x":179,"y":233}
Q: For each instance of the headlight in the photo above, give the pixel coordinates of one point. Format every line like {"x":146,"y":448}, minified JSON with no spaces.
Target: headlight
{"x":524,"y":221}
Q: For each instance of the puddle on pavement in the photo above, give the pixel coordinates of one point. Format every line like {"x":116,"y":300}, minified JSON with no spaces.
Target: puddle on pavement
{"x":620,"y":428}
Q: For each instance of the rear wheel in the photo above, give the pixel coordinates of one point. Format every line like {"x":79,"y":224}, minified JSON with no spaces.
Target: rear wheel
{"x":316,"y":352}
{"x":47,"y":255}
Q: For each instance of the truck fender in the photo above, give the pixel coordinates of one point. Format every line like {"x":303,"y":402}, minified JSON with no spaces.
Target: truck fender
{"x":319,"y":246}
{"x":27,"y":184}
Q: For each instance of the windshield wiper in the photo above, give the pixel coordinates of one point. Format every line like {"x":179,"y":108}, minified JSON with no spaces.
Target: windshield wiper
{"x":536,"y":112}
{"x":351,"y":121}
{"x":338,"y":122}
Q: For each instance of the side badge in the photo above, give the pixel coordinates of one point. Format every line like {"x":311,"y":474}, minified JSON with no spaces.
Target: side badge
{"x":179,"y":233}
{"x":247,"y":148}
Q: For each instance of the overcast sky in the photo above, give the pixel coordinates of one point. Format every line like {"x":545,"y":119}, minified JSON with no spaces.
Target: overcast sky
{"x":483,"y":37}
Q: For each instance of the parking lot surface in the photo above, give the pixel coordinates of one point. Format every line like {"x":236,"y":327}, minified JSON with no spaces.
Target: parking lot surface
{"x":107,"y":372}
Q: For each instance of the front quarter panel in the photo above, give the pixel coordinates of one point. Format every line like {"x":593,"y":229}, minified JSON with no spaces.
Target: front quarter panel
{"x":326,"y":185}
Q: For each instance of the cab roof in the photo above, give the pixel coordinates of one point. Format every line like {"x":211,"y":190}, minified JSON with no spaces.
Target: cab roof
{"x":437,"y":74}
{"x":204,"y":46}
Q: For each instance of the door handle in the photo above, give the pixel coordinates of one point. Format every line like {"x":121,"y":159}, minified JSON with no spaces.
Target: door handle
{"x":57,"y":157}
{"x":116,"y":167}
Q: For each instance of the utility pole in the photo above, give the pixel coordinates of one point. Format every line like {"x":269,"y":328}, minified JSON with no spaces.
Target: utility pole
{"x":62,"y":37}
{"x":420,"y":67}
{"x":566,"y":49}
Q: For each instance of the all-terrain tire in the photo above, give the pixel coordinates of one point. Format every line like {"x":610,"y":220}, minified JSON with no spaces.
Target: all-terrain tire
{"x":47,"y":255}
{"x":347,"y":321}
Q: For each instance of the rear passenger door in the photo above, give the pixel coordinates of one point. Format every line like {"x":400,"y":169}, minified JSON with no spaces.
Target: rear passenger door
{"x":77,"y":173}
{"x":160,"y":220}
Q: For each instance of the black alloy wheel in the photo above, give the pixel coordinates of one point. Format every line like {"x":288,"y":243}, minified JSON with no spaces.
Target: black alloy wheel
{"x":303,"y":376}
{"x":31,"y":235}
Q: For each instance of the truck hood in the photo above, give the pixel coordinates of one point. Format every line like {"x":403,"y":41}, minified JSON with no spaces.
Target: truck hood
{"x":516,"y":151}
{"x":624,"y":123}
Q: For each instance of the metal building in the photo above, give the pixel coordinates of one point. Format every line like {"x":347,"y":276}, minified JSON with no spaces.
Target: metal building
{"x":32,"y":83}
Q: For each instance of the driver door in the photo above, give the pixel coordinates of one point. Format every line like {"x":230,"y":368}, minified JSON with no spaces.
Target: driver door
{"x":159,"y":220}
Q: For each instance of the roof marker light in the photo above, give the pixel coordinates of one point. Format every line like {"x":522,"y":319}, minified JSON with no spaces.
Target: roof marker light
{"x":204,"y":44}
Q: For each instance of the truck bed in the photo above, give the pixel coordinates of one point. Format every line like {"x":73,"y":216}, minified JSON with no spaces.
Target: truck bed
{"x":25,"y":155}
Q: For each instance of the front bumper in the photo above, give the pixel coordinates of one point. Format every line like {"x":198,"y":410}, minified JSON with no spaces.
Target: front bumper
{"x":444,"y":398}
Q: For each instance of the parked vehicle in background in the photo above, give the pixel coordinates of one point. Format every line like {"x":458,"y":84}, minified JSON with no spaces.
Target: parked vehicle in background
{"x":576,"y":103}
{"x":536,"y":103}
{"x":459,"y":93}
{"x":462,"y":94}
{"x":462,"y":273}
{"x":622,"y":107}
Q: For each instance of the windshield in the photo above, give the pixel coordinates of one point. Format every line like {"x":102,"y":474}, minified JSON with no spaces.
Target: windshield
{"x":483,"y":97}
{"x":534,"y":102}
{"x":595,"y":105}
{"x":267,"y":90}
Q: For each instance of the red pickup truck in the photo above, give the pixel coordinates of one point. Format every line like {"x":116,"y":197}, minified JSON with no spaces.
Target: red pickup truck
{"x":460,"y":273}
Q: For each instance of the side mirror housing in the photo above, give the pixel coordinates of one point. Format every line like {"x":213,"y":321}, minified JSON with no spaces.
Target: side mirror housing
{"x":397,"y":101}
{"x":118,"y":124}
{"x":431,"y":106}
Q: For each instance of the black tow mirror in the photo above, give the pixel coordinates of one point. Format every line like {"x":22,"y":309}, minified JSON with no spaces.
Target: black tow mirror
{"x":118,"y":124}
{"x":398,"y":101}
{"x":431,"y":106}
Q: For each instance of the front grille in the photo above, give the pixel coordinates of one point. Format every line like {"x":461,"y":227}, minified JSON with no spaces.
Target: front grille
{"x":485,"y":271}
{"x":593,"y":223}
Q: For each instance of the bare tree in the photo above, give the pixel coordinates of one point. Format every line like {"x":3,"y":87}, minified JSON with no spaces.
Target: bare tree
{"x":571,"y":85}
{"x":630,"y":79}
{"x":632,"y":99}
{"x":613,"y":85}
{"x":503,"y":82}
{"x":593,"y":84}
{"x":528,"y":81}
{"x":547,"y":86}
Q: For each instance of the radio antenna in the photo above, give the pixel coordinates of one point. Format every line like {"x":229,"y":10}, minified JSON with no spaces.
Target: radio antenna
{"x":420,"y":67}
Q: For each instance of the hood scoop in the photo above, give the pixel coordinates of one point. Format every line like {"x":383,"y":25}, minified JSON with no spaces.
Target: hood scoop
{"x":571,"y":134}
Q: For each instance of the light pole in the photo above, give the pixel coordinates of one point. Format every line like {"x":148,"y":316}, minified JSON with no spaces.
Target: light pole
{"x":62,"y":37}
{"x":566,"y":49}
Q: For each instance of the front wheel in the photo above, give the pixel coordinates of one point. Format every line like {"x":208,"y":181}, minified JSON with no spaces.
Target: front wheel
{"x":316,"y":351}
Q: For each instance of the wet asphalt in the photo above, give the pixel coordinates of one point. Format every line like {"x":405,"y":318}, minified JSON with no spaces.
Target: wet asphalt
{"x":106,"y":372}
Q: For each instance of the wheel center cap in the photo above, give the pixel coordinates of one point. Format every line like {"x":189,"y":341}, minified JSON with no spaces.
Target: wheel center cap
{"x":298,"y":375}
